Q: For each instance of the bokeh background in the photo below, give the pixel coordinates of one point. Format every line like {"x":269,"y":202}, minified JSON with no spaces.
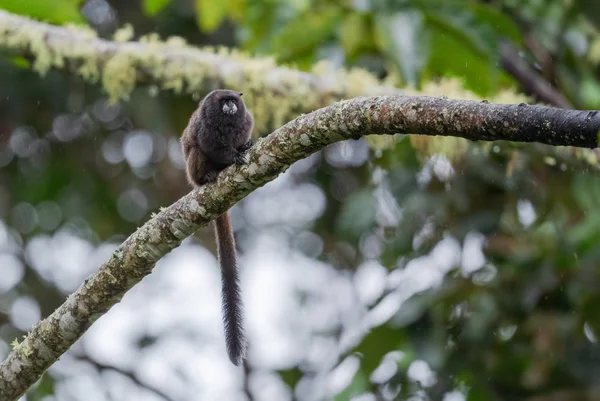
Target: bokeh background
{"x":414,"y":269}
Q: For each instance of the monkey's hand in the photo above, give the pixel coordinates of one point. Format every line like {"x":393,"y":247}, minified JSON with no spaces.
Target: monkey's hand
{"x":240,"y":158}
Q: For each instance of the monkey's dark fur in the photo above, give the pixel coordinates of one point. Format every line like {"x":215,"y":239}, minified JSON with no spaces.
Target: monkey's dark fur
{"x":218,"y":135}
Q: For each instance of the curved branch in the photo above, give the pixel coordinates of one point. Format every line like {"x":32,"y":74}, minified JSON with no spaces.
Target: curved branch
{"x":351,"y":119}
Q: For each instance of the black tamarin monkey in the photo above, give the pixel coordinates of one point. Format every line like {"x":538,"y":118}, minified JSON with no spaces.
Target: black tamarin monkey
{"x":218,"y":135}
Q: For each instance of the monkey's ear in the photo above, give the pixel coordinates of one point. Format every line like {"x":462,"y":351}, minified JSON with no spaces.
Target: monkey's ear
{"x":240,"y":93}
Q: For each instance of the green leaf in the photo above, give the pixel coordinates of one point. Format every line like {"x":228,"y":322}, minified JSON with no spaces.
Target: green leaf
{"x":237,"y":9}
{"x":591,"y":11}
{"x":478,"y":393}
{"x":462,"y":27}
{"x":585,"y":234}
{"x":480,"y":20}
{"x":357,"y":215}
{"x":590,"y":92}
{"x":586,"y":190}
{"x":359,"y":385}
{"x":378,"y":342}
{"x":402,"y":37}
{"x":501,"y":23}
{"x":463,"y":40}
{"x":42,"y":389}
{"x":354,"y":33}
{"x":451,"y":56}
{"x":306,"y":32}
{"x":258,"y":20}
{"x":210,"y":14}
{"x":153,"y":7}
{"x":20,"y":61}
{"x":55,"y":12}
{"x":291,"y":377}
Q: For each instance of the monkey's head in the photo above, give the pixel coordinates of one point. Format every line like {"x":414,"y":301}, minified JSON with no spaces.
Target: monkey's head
{"x":225,"y":101}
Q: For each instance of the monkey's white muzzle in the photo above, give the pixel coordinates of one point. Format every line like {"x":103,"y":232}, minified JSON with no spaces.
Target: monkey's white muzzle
{"x":229,"y":107}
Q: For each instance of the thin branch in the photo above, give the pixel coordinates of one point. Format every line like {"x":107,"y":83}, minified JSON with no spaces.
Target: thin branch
{"x":246,"y":385}
{"x":4,"y":317}
{"x":529,"y":79}
{"x":130,"y":375}
{"x":272,"y":155}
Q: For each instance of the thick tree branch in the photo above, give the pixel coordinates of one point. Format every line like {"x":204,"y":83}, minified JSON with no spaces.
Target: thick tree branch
{"x":135,"y":258}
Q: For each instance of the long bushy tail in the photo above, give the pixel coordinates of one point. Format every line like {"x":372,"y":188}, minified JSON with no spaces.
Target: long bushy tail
{"x":231,"y":293}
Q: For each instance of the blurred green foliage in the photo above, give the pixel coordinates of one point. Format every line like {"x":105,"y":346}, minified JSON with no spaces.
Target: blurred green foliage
{"x":153,"y":7}
{"x":56,"y":12}
{"x":522,"y":326}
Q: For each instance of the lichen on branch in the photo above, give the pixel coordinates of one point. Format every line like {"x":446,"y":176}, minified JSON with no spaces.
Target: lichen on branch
{"x":275,"y":93}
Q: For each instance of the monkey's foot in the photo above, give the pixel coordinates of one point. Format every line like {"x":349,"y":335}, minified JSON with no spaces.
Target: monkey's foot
{"x":210,"y":176}
{"x":240,"y":158}
{"x":246,"y":146}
